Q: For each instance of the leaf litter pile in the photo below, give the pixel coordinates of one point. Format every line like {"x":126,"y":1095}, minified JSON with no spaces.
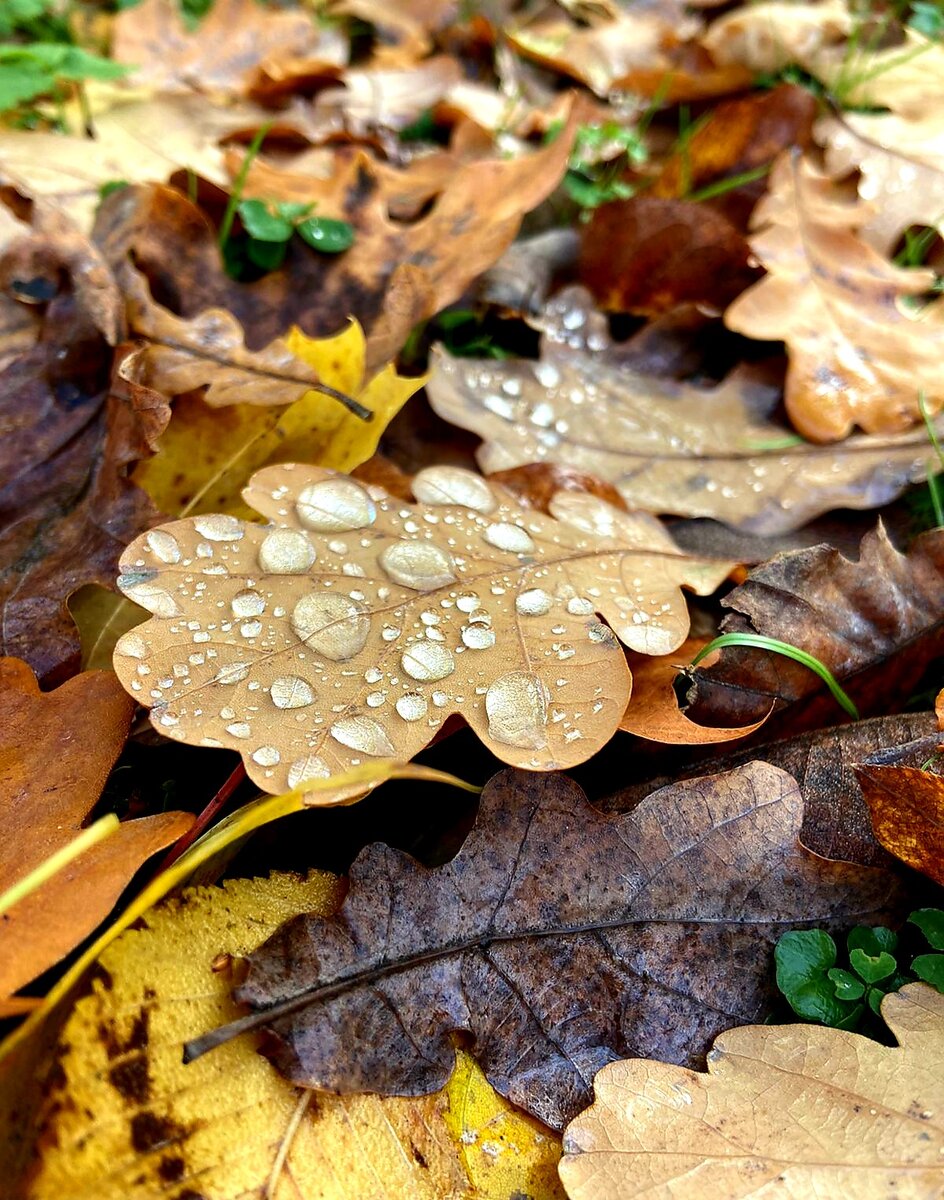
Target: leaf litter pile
{"x":472,"y":594}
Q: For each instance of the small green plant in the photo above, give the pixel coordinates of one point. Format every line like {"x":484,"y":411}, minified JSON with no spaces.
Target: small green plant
{"x":30,"y":71}
{"x":270,"y":227}
{"x":849,"y":996}
{"x":601,"y":154}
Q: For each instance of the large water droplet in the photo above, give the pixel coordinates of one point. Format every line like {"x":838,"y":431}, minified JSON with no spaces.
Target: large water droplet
{"x":266,"y":756}
{"x":478,"y":637}
{"x":335,"y":505}
{"x":290,"y":691}
{"x":333,"y":626}
{"x":131,"y":645}
{"x":412,"y":706}
{"x":579,"y":606}
{"x":150,"y":596}
{"x":363,"y":734}
{"x":248,"y":604}
{"x":419,"y":565}
{"x":217,"y":527}
{"x":534,"y":603}
{"x":453,"y":485}
{"x":286,"y":552}
{"x":512,"y":538}
{"x":234,"y":672}
{"x":427,"y":661}
{"x":164,"y":546}
{"x":516,"y":707}
{"x":311,"y":767}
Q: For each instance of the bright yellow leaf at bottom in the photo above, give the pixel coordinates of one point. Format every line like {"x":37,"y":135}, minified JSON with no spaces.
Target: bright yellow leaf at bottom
{"x":127,"y":1120}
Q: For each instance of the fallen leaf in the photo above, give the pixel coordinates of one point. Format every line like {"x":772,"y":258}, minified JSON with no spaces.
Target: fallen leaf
{"x":553,"y":970}
{"x":768,"y":37}
{"x":461,"y":603}
{"x":648,"y":255}
{"x":856,"y":358}
{"x":375,"y":98}
{"x":836,"y":820}
{"x":536,"y":484}
{"x":875,"y":623}
{"x":406,"y":28}
{"x":55,"y":755}
{"x":669,"y":447}
{"x":796,"y":1109}
{"x":905,"y":795}
{"x":145,"y":1125}
{"x":653,"y":711}
{"x":218,"y":54}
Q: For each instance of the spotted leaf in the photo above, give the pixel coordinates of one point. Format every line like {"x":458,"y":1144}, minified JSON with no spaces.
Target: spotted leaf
{"x":352,"y":624}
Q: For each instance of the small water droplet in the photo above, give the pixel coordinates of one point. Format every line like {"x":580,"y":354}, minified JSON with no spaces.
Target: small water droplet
{"x":248,"y":604}
{"x":390,"y":633}
{"x":218,"y":527}
{"x":516,"y":707}
{"x":477,"y":637}
{"x":164,"y":546}
{"x":427,"y":661}
{"x":303,"y":769}
{"x":579,"y":606}
{"x":376,"y":699}
{"x":291,"y":691}
{"x":239,"y":729}
{"x":418,"y":565}
{"x":234,"y":672}
{"x":373,"y":675}
{"x":150,"y":596}
{"x":249,"y":629}
{"x":412,"y":706}
{"x":468,"y":603}
{"x":512,"y":538}
{"x":266,"y":756}
{"x":534,"y":603}
{"x":453,"y":485}
{"x":333,"y":626}
{"x":335,"y":506}
{"x":131,"y":645}
{"x":286,"y":552}
{"x":363,"y":734}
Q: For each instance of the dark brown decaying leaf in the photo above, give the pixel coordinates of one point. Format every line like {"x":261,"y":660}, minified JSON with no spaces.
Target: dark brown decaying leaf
{"x":876,"y":623}
{"x":835,"y":817}
{"x":559,"y":937}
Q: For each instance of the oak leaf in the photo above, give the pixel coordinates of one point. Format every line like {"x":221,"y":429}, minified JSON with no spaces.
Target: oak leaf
{"x":856,"y":358}
{"x":801,"y":1110}
{"x":56,"y":750}
{"x":558,"y":938}
{"x":140,"y":1124}
{"x":669,"y":447}
{"x":353,"y":624}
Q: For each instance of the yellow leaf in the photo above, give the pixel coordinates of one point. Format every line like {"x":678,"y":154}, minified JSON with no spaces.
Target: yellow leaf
{"x":207,"y":454}
{"x":127,"y":1120}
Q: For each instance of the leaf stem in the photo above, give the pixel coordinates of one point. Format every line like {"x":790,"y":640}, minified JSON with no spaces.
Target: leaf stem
{"x":236,"y":195}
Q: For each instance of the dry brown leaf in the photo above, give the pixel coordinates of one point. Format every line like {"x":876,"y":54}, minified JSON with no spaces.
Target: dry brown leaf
{"x":856,"y":357}
{"x":354,"y":624}
{"x":668,"y":447}
{"x":789,"y":1110}
{"x":56,"y":750}
{"x":769,"y":37}
{"x":217,"y":55}
{"x":405,"y":27}
{"x":388,"y":99}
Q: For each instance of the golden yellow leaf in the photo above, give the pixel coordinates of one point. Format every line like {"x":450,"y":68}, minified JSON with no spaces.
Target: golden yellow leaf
{"x":796,"y":1111}
{"x":127,"y":1120}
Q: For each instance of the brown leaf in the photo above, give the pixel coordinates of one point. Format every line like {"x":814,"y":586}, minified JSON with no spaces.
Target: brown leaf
{"x":55,"y":755}
{"x":856,"y":357}
{"x":537,"y":484}
{"x":905,"y":795}
{"x":647,"y":256}
{"x":874,"y":623}
{"x":794,"y":1110}
{"x":669,"y":447}
{"x":375,"y":620}
{"x":558,"y":938}
{"x":835,"y":816}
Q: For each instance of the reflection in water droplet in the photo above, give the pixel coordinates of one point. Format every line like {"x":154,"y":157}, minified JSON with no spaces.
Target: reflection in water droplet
{"x":333,"y":626}
{"x":412,"y":706}
{"x":534,"y":603}
{"x":266,"y":756}
{"x":286,"y":552}
{"x":363,"y":734}
{"x":335,"y":505}
{"x":131,"y":645}
{"x":512,"y":538}
{"x":516,"y":707}
{"x":427,"y":661}
{"x":303,"y":769}
{"x":164,"y":546}
{"x":418,"y":565}
{"x":217,"y":527}
{"x":248,"y":604}
{"x":290,"y":691}
{"x":453,"y":485}
{"x":478,"y":637}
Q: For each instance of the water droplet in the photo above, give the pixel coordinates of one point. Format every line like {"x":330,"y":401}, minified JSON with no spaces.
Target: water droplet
{"x":335,"y":505}
{"x":234,"y":672}
{"x":579,"y":606}
{"x":418,"y":565}
{"x":150,"y":596}
{"x":286,"y":552}
{"x":512,"y":538}
{"x":290,"y":691}
{"x":516,"y":707}
{"x":363,"y":734}
{"x":546,"y":374}
{"x":375,"y":699}
{"x":373,"y":675}
{"x":239,"y":729}
{"x":427,"y":661}
{"x":477,"y":637}
{"x":453,"y":485}
{"x":131,"y":645}
{"x":534,"y":603}
{"x":266,"y":756}
{"x":440,"y":699}
{"x":468,"y":603}
{"x":601,"y":633}
{"x":248,"y":604}
{"x":217,"y":527}
{"x":164,"y":546}
{"x":412,"y":706}
{"x":303,"y":769}
{"x":333,"y":626}
{"x":390,"y":633}
{"x":249,"y":629}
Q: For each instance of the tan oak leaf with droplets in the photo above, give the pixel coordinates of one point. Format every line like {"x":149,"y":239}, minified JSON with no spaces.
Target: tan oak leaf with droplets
{"x":353,"y":624}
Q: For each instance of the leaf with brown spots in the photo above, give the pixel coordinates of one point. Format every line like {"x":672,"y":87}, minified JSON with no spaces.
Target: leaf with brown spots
{"x":353,"y":624}
{"x":55,"y":754}
{"x":793,"y":1110}
{"x":558,"y":938}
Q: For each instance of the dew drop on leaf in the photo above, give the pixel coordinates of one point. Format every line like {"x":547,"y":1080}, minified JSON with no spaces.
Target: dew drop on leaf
{"x":333,"y":626}
{"x":363,"y":734}
{"x":418,"y":565}
{"x":286,"y":552}
{"x":335,"y":505}
{"x":516,"y":707}
{"x":428,"y":661}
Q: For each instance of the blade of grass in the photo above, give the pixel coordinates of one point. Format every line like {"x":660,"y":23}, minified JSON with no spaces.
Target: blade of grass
{"x":52,"y":865}
{"x":728,"y":185}
{"x":933,"y":488}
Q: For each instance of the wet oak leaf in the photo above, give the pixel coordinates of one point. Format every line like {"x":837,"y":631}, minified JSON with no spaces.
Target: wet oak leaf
{"x":875,"y":623}
{"x":857,"y":358}
{"x":354,"y":624}
{"x":56,"y":750}
{"x":143,"y":1124}
{"x":798,"y":1110}
{"x":669,"y":447}
{"x":558,"y":938}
